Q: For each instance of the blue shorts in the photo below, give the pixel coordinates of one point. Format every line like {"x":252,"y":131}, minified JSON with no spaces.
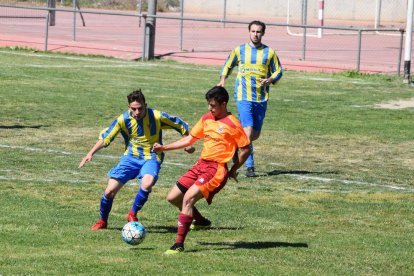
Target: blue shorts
{"x":251,"y":114}
{"x":130,"y":167}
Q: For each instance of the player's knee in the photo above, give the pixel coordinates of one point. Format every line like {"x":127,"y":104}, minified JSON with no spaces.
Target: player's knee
{"x":170,"y":199}
{"x":255,"y":135}
{"x":110,"y":194}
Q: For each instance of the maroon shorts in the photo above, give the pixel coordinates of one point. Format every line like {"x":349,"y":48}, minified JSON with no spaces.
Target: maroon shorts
{"x":209,"y":176}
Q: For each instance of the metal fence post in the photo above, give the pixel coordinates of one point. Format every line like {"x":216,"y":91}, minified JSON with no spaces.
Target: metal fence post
{"x":139,"y":8}
{"x":359,"y":49}
{"x":150,"y":30}
{"x":181,"y":23}
{"x":224,"y":13}
{"x":305,"y":23}
{"x":52,"y":4}
{"x":47,"y":30}
{"x":74,"y":21}
{"x":400,"y":52}
{"x":304,"y":44}
{"x":144,"y":39}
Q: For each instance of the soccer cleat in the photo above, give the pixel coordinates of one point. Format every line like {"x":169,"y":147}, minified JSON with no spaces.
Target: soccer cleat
{"x":175,"y":249}
{"x":132,"y":216}
{"x":250,"y":172}
{"x":101,"y":224}
{"x":200,"y":225}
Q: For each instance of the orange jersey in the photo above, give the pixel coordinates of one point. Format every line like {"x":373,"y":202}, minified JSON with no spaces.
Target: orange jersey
{"x":221,"y":137}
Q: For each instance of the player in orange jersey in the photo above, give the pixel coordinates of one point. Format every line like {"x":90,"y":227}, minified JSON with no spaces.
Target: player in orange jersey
{"x":222,"y":134}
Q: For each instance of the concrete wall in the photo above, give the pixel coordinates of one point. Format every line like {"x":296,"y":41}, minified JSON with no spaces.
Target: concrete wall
{"x":391,"y":10}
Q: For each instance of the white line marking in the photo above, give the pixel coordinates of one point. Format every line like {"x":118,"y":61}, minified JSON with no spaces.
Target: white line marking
{"x":344,"y":181}
{"x":298,"y":176}
{"x":41,"y":180}
{"x":77,"y":153}
{"x":35,"y":149}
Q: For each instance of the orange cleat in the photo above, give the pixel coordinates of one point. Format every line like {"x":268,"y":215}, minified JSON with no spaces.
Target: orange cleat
{"x":132,"y":216}
{"x":101,"y":224}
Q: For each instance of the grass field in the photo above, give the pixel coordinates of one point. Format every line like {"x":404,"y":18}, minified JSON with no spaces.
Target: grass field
{"x":335,"y":194}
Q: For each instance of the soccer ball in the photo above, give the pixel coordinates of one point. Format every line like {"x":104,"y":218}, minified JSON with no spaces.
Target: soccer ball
{"x":133,"y":233}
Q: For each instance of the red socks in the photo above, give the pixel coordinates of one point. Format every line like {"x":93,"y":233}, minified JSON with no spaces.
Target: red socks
{"x":184,"y":222}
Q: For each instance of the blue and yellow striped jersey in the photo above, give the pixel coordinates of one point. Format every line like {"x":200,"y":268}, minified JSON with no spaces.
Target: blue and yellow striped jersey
{"x":253,"y":64}
{"x":140,"y":135}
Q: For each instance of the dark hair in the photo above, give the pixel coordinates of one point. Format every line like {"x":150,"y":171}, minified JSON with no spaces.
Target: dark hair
{"x":259,"y":23}
{"x":218,"y":93}
{"x":136,"y":96}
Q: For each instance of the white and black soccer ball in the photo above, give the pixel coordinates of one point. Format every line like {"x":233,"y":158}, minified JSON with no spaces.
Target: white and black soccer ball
{"x":133,"y":233}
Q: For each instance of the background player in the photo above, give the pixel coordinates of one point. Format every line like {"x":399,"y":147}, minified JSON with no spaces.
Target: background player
{"x":258,"y":67}
{"x":222,"y":134}
{"x":140,"y":127}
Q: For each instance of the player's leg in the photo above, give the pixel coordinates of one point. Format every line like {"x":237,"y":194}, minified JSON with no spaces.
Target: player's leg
{"x":185,"y":218}
{"x":259,"y":111}
{"x":106,"y":203}
{"x":246,"y":118}
{"x":148,"y":176}
{"x":118,"y":176}
{"x":176,"y":195}
{"x":211,"y":179}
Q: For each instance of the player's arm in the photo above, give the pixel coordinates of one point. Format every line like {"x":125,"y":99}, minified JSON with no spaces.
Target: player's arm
{"x":228,"y":66}
{"x":276,"y":72}
{"x":276,"y":69}
{"x":184,"y":142}
{"x":99,"y":145}
{"x":222,"y":81}
{"x":105,"y":139}
{"x":179,"y":125}
{"x":244,"y":152}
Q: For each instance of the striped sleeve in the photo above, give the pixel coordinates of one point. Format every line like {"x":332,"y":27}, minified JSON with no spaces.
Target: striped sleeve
{"x":275,"y":68}
{"x":230,"y":63}
{"x":109,"y":134}
{"x":173,"y":122}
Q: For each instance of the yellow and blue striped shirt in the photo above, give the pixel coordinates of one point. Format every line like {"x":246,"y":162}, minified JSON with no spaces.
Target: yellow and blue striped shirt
{"x":253,"y":64}
{"x":140,"y":135}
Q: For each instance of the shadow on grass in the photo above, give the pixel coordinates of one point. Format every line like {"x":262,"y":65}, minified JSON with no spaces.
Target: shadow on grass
{"x":139,"y":247}
{"x":182,"y":54}
{"x":21,"y":127}
{"x":113,"y":229}
{"x":297,"y":172}
{"x":253,"y":245}
{"x":173,"y":229}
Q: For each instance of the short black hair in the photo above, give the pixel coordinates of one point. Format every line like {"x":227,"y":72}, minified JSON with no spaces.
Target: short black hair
{"x":136,"y":96}
{"x":218,"y":93}
{"x":259,"y":23}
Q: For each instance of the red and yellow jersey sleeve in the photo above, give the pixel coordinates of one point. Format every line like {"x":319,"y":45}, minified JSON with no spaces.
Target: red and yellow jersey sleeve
{"x":221,"y":137}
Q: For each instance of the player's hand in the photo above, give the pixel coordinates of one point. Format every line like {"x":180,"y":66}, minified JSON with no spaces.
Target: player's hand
{"x":266,"y":82}
{"x":157,"y":147}
{"x":190,"y":149}
{"x":233,"y":174}
{"x":82,"y":163}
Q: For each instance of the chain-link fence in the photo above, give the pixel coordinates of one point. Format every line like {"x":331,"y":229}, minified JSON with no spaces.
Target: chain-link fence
{"x":203,"y":35}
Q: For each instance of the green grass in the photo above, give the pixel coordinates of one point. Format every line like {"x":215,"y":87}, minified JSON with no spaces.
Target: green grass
{"x":334,"y":196}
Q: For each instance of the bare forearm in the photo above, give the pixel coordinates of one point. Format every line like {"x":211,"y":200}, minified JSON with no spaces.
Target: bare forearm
{"x":182,"y":143}
{"x":99,"y":145}
{"x":242,"y":157}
